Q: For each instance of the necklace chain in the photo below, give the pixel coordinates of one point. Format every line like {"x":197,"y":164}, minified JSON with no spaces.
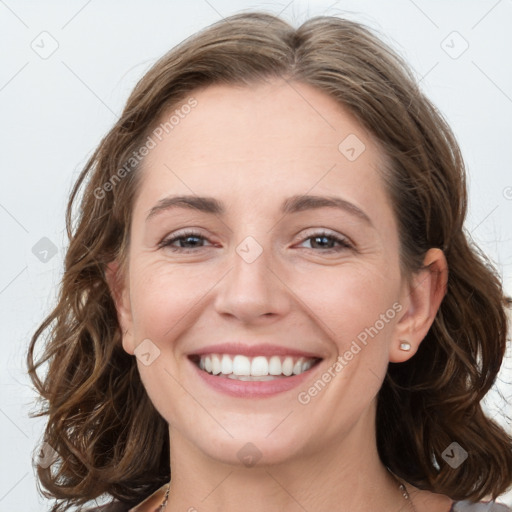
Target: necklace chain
{"x":406,"y":496}
{"x":401,"y":487}
{"x":162,"y":507}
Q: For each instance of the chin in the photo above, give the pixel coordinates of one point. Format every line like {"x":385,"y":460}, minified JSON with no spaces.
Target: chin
{"x":251,"y":449}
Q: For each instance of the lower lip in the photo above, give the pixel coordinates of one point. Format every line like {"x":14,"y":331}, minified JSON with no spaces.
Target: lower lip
{"x":253,"y":389}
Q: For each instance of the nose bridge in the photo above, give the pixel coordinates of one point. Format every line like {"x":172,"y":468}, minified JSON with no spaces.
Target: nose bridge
{"x":251,"y":288}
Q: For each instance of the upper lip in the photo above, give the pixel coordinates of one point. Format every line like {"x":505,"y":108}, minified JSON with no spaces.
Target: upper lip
{"x":253,"y":350}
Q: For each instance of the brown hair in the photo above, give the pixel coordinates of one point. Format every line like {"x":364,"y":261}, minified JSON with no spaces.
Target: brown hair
{"x":109,"y":437}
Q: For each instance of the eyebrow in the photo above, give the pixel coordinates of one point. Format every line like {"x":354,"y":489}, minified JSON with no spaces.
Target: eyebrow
{"x":293,"y":204}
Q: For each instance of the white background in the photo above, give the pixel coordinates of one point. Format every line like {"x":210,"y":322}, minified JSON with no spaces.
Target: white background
{"x":55,"y":110}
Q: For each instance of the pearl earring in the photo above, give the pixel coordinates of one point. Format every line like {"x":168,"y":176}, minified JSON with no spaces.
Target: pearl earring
{"x":405,"y":345}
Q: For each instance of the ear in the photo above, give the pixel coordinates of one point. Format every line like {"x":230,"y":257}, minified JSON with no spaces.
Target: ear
{"x":420,"y":299}
{"x":119,"y":289}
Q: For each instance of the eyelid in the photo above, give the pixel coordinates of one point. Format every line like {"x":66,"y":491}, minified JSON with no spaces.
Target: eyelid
{"x":183,"y":233}
{"x":312,"y":232}
{"x":343,"y":241}
{"x":318,"y":230}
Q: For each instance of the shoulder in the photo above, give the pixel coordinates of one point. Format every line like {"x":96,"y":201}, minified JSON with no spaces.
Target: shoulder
{"x":110,"y":507}
{"x":490,"y":506}
{"x":152,"y":502}
{"x":427,"y":501}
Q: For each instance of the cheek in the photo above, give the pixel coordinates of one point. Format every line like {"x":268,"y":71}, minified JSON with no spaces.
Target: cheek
{"x":352,"y":304}
{"x":163,"y":297}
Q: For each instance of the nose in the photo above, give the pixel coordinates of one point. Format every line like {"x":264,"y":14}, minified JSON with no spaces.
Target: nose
{"x":252,"y":291}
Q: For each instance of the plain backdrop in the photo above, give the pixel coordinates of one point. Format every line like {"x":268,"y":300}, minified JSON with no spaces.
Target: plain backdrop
{"x":66,"y":70}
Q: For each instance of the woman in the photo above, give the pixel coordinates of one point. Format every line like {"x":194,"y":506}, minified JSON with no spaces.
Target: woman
{"x":269,"y":291}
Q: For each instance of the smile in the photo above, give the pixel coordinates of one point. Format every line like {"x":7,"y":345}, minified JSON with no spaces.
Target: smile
{"x":257,"y":368}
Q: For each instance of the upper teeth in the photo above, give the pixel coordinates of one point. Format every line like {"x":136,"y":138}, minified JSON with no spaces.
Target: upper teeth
{"x":254,"y":366}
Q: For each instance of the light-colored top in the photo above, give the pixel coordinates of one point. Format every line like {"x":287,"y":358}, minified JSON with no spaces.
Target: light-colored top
{"x":152,"y":504}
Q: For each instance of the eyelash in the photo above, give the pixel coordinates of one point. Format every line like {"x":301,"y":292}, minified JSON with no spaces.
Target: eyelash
{"x":344,"y":243}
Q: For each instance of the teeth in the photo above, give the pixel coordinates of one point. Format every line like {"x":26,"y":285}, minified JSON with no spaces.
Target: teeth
{"x":251,"y":378}
{"x":307,"y":365}
{"x":227,"y":365}
{"x":256,"y":368}
{"x":241,"y":365}
{"x":274,"y":367}
{"x":287,"y":366}
{"x":216,"y":366}
{"x":259,"y":366}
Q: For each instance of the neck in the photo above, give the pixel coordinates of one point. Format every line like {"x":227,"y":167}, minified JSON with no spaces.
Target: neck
{"x":344,"y":475}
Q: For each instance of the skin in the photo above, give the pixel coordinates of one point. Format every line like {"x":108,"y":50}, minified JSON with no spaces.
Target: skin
{"x":252,"y":148}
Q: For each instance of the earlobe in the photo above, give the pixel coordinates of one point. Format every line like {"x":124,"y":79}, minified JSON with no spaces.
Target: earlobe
{"x":422,"y":299}
{"x":405,"y":346}
{"x":119,"y":291}
{"x":402,"y":350}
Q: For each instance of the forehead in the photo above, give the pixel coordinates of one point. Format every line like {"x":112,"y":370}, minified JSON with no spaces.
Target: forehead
{"x":271,"y":139}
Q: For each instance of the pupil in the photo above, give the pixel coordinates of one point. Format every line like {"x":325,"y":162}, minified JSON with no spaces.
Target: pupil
{"x":324,"y":239}
{"x":186,"y":240}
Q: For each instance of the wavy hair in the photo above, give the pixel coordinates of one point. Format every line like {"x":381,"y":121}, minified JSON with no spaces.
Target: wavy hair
{"x":109,"y":438}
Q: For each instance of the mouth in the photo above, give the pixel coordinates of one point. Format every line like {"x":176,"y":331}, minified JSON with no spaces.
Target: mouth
{"x":245,"y":370}
{"x":253,"y":369}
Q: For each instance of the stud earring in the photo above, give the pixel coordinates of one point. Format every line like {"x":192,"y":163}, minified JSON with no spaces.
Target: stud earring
{"x":405,"y":346}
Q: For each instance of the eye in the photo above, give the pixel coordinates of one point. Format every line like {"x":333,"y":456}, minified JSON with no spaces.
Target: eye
{"x":187,"y":241}
{"x":191,"y":240}
{"x":326,"y":241}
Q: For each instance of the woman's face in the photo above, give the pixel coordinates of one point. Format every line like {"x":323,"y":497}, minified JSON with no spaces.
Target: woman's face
{"x":267,"y":264}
